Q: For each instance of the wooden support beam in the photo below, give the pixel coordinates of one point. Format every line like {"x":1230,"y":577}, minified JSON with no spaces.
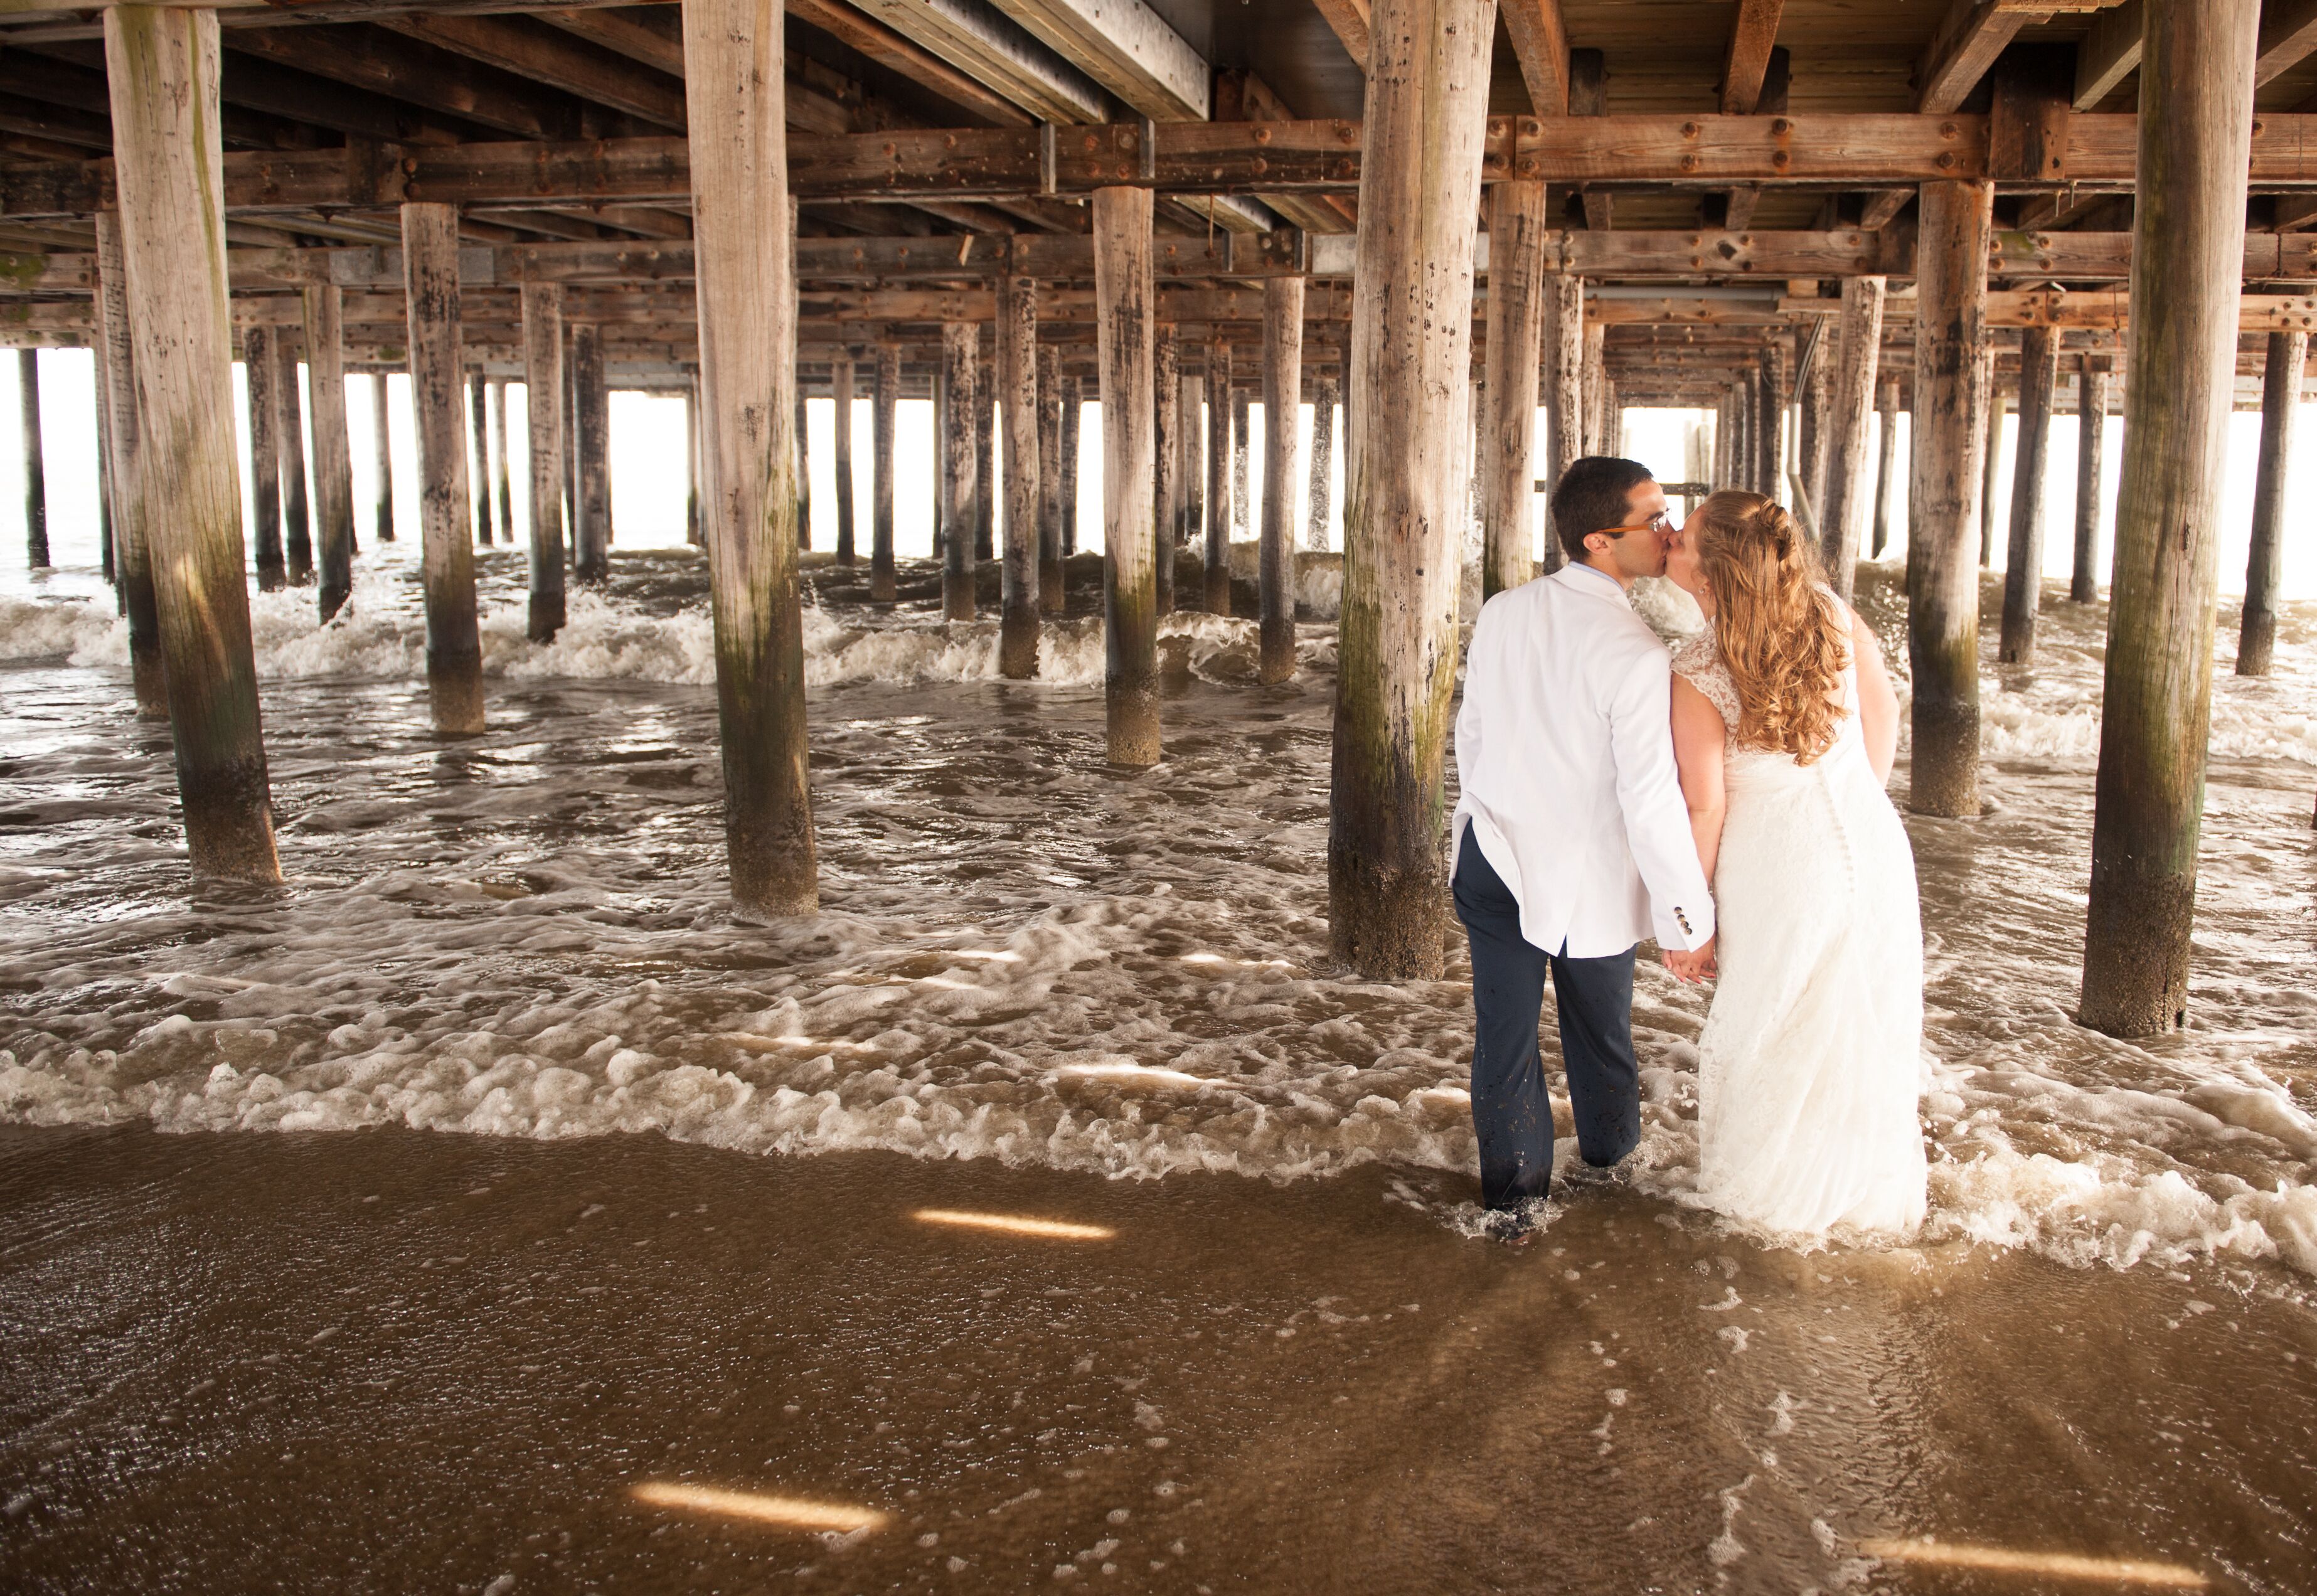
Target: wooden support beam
{"x":2091,"y":443}
{"x":333,"y":463}
{"x":1753,"y":34}
{"x":1588,"y":74}
{"x":2023,"y":573}
{"x":1167,"y":493}
{"x":1124,"y":332}
{"x":734,"y":89}
{"x":963,"y":454}
{"x":1842,"y":506}
{"x":1516,"y":332}
{"x":2288,"y":33}
{"x":479,"y":454}
{"x":1325,"y":392}
{"x":162,"y":68}
{"x":840,"y":392}
{"x":998,"y":52}
{"x":2196,"y":97}
{"x":542,"y":376}
{"x":1126,"y":47}
{"x":382,"y":427}
{"x":1282,"y":404}
{"x":1886,"y":467}
{"x":1348,"y":19}
{"x":1949,"y":434}
{"x":543,"y":55}
{"x":1562,"y":337}
{"x":403,"y":70}
{"x":1049,"y":481}
{"x":2109,"y":55}
{"x":1427,"y":125}
{"x":591,"y":532}
{"x":1017,"y":389}
{"x":260,"y":375}
{"x":1970,"y":38}
{"x":2280,"y":403}
{"x":455,"y":652}
{"x":886,"y":397}
{"x":619,"y":30}
{"x":289,"y":437}
{"x":1216,"y":566}
{"x":1541,"y":44}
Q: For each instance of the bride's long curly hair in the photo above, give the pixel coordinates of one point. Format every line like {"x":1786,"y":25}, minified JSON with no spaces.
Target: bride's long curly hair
{"x":1780,"y":631}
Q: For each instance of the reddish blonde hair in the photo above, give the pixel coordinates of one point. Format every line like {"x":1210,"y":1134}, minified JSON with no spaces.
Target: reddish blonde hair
{"x":1780,"y":631}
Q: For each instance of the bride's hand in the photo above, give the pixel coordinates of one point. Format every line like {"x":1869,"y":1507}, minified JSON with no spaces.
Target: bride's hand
{"x":1695,"y":965}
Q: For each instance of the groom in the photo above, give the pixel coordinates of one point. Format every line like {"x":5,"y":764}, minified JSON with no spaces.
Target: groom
{"x":1573,"y":839}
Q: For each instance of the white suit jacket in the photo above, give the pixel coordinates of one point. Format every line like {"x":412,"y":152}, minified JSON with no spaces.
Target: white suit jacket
{"x":1565,"y":752}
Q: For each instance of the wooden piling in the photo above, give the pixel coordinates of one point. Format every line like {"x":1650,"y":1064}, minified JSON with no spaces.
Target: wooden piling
{"x":542,"y":378}
{"x":290,"y":433}
{"x":161,"y":67}
{"x":1165,"y":467}
{"x":105,"y":485}
{"x":2195,"y":139}
{"x":1320,"y":493}
{"x":132,"y":473}
{"x":1563,"y":336}
{"x":1017,"y":390}
{"x":1282,"y":404}
{"x":735,"y":98}
{"x":691,"y":472}
{"x":1050,"y":482}
{"x":1126,"y":301}
{"x":1215,"y":574}
{"x":1241,"y":434}
{"x":36,"y":479}
{"x":1191,"y":434}
{"x":1991,"y":465}
{"x":961,"y":459}
{"x":1951,"y":399}
{"x":2022,"y":564}
{"x":1768,"y":424}
{"x":840,"y":373}
{"x":2091,"y":444}
{"x":260,"y":374}
{"x":884,"y":417}
{"x":1596,"y":381}
{"x":334,"y":461}
{"x":985,"y":453}
{"x":1814,"y":429}
{"x":2280,"y":403}
{"x":803,"y":442}
{"x":591,"y":532}
{"x":1842,"y":508}
{"x":382,"y":425}
{"x":479,"y":455}
{"x":1073,"y":419}
{"x":1508,"y":464}
{"x":1426,"y":118}
{"x":454,"y":649}
{"x":1886,"y":467}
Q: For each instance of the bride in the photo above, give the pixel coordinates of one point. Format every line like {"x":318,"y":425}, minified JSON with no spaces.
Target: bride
{"x":1784,"y":725}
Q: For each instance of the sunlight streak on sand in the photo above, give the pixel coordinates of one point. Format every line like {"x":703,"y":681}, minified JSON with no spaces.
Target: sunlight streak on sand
{"x":788,"y":1513}
{"x":1057,"y":1229}
{"x":2118,"y":1570}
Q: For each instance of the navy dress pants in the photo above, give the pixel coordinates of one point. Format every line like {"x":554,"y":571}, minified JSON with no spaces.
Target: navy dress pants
{"x":1594,"y":1000}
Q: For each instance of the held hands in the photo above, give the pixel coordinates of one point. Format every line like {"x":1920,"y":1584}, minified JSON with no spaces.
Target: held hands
{"x":1697,"y":965}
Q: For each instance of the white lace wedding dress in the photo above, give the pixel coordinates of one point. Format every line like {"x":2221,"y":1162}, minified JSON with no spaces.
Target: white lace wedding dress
{"x":1812,"y":1058}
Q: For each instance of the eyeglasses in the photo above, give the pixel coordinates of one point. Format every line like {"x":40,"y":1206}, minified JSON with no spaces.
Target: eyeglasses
{"x":1659,"y":524}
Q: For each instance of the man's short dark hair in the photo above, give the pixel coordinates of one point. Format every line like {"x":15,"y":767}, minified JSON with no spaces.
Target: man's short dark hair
{"x":1591,"y":497}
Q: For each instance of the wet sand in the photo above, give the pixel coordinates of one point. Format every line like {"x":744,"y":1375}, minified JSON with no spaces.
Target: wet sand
{"x":391,"y":1360}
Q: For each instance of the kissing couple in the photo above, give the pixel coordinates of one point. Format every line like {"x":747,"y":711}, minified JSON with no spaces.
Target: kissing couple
{"x":1727,"y":799}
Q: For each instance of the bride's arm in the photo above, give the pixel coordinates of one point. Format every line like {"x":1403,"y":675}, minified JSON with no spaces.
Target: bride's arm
{"x":1697,"y":738}
{"x":1878,"y":700}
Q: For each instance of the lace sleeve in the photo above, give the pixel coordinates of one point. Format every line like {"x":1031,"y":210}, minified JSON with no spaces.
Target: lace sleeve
{"x":1698,"y":662}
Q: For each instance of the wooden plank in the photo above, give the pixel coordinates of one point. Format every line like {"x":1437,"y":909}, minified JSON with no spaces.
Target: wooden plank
{"x":403,"y":69}
{"x":545,"y":55}
{"x":1125,"y":330}
{"x":1126,"y":47}
{"x":1969,"y":38}
{"x":1349,"y":21}
{"x":1541,"y":44}
{"x":1753,"y":33}
{"x":896,"y":53}
{"x":2108,"y":56}
{"x":2288,"y":33}
{"x":995,"y":50}
{"x":617,"y":30}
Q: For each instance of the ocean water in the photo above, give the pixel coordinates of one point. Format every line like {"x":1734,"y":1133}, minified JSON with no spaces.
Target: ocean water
{"x":1022,"y":955}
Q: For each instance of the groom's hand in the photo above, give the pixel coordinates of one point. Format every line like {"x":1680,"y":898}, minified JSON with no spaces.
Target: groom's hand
{"x":1697,"y":964}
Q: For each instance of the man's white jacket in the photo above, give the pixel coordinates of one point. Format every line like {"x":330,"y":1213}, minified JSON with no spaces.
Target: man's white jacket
{"x":1565,"y":751}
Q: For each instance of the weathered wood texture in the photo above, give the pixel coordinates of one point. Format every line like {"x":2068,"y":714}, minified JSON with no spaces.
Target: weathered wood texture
{"x":478,"y":456}
{"x":1191,"y":501}
{"x":692,"y":532}
{"x":1886,"y":467}
{"x":1242,"y":434}
{"x":333,"y":462}
{"x":883,"y":583}
{"x":1073,"y":416}
{"x":590,"y":541}
{"x":840,"y":388}
{"x":162,"y":68}
{"x":382,"y":438}
{"x":985,"y":447}
{"x":802,"y":438}
{"x":1770,"y":422}
{"x":1564,"y":337}
{"x":289,"y":437}
{"x":1165,"y":467}
{"x":2280,"y":396}
{"x":36,"y":477}
{"x":1050,"y":482}
{"x":1949,"y":433}
{"x":1018,"y":388}
{"x":455,"y":652}
{"x":132,"y":470}
{"x":2023,"y":565}
{"x":260,"y":373}
{"x":1842,"y":508}
{"x":1282,"y":404}
{"x":1813,"y":435}
{"x":1990,"y":466}
{"x":1216,"y":566}
{"x":1507,"y":462}
{"x":735,"y":98}
{"x":2091,"y":446}
{"x":1412,"y":359}
{"x":1124,"y":284}
{"x":962,"y":462}
{"x":542,"y":376}
{"x":2196,"y":122}
{"x":1321,"y":494}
